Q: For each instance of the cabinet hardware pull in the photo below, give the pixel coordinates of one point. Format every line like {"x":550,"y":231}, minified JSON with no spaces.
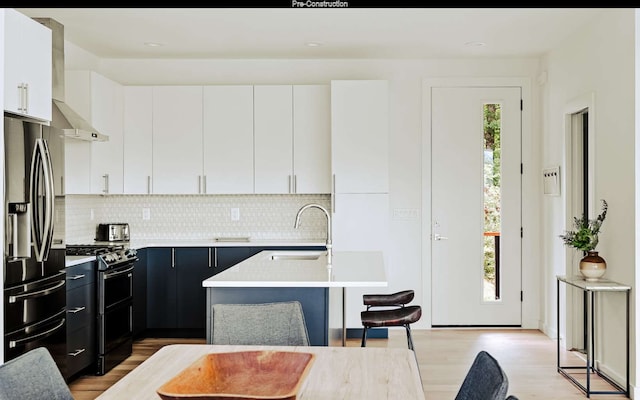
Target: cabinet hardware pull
{"x":204,"y":184}
{"x":295,"y":183}
{"x":76,"y":277}
{"x":148,"y":184}
{"x":173,"y":258}
{"x":26,"y":98}
{"x":76,"y":310}
{"x":106,"y":184}
{"x":76,"y":353}
{"x":199,"y":184}
{"x":215,"y":257}
{"x":20,"y":98}
{"x":209,"y":257}
{"x":333,"y":193}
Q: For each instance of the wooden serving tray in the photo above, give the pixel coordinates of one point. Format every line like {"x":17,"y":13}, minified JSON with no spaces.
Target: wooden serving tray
{"x":242,"y":375}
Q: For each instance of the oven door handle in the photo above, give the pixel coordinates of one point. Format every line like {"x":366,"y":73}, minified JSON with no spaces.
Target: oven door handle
{"x":37,"y":293}
{"x":116,"y":274}
{"x":14,"y":343}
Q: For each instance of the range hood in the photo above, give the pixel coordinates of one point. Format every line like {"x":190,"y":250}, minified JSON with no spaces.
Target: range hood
{"x":64,"y":117}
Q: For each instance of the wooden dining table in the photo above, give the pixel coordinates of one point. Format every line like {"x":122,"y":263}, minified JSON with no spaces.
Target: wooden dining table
{"x":371,"y":373}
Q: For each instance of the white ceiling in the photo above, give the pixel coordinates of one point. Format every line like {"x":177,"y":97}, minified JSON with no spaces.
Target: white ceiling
{"x":409,"y":33}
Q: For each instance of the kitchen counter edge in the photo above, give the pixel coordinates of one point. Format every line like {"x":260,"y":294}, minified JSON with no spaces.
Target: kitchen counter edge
{"x":213,"y":243}
{"x":139,"y":245}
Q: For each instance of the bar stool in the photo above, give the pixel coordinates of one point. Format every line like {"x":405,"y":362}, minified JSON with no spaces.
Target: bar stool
{"x":398,"y":299}
{"x":399,"y":315}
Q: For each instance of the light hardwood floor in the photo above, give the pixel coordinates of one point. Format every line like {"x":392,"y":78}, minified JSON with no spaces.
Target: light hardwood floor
{"x":444,"y":356}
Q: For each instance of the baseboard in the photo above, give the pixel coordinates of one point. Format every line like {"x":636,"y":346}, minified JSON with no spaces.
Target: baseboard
{"x":373,"y":333}
{"x":172,"y":333}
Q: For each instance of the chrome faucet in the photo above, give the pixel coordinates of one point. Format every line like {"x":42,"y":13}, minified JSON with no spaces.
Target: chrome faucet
{"x":326,"y":213}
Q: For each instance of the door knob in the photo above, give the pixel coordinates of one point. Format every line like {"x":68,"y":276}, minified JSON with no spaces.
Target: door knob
{"x":437,"y":236}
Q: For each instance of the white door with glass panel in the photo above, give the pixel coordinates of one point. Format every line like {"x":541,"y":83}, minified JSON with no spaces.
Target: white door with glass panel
{"x":476,"y":206}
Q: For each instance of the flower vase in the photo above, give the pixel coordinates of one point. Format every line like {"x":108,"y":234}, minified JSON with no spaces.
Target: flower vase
{"x":592,"y":266}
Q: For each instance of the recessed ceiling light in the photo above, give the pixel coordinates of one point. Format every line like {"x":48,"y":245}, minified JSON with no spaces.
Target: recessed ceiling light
{"x":153,"y":44}
{"x":475,"y":44}
{"x":314,"y":44}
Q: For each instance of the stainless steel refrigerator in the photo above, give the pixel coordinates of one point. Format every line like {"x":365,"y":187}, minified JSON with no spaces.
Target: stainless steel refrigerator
{"x":34,"y":255}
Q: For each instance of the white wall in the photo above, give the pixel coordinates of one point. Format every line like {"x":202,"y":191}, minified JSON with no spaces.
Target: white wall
{"x":598,"y":62}
{"x":636,"y":301}
{"x":405,"y":77}
{"x":2,"y":174}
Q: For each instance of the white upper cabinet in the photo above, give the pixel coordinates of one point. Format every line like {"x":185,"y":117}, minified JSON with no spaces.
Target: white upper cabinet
{"x":228,"y":139}
{"x":100,"y":101}
{"x":311,"y":139}
{"x":138,"y":139}
{"x":360,"y":136}
{"x":177,"y":140}
{"x":273,"y":135}
{"x":223,"y":139}
{"x":77,"y":167}
{"x":292,"y":139}
{"x":107,"y":101}
{"x":27,"y":66}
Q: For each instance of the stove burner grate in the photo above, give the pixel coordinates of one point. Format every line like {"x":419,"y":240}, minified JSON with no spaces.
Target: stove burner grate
{"x":91,"y":249}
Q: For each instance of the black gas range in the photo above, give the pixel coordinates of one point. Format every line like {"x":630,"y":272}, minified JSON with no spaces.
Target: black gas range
{"x":109,"y":255}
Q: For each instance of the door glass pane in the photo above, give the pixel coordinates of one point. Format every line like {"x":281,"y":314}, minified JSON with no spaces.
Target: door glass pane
{"x":491,"y":264}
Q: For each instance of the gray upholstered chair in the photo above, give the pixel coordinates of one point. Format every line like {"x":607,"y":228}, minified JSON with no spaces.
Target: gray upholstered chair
{"x":274,"y":324}
{"x":33,"y":376}
{"x":485,"y":380}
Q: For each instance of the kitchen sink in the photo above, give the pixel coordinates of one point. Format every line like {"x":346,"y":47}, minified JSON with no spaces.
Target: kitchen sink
{"x":296,"y":255}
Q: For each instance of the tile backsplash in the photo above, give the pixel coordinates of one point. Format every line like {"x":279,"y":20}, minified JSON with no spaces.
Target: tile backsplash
{"x":197,"y":217}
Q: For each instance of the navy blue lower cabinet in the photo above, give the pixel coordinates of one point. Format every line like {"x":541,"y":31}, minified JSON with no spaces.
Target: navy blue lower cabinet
{"x":161,"y":288}
{"x":140,"y":293}
{"x":314,"y":300}
{"x":175,"y":301}
{"x":227,"y":257}
{"x":193,"y":265}
{"x":81,"y":319}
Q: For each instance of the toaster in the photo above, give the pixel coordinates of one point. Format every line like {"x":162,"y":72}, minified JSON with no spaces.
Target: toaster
{"x":112,"y":232}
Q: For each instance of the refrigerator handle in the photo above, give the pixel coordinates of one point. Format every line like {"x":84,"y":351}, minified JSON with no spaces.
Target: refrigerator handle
{"x":42,"y":209}
{"x":14,"y":234}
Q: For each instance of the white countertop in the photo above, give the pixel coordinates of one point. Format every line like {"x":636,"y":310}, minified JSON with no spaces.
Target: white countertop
{"x":70,"y":261}
{"x":348,"y":269}
{"x":230,"y":242}
{"x":141,"y":244}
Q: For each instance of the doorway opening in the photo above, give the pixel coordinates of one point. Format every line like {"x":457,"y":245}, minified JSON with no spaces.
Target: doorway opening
{"x":580,"y":202}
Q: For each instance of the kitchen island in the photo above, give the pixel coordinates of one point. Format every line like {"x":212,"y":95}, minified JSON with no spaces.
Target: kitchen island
{"x":303,"y":275}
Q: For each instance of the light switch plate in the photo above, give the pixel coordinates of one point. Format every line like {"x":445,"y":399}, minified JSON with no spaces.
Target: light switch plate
{"x":406,"y":213}
{"x":235,"y":214}
{"x":146,"y":214}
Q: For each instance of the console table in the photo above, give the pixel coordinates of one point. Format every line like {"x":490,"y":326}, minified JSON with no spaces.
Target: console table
{"x":591,"y":290}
